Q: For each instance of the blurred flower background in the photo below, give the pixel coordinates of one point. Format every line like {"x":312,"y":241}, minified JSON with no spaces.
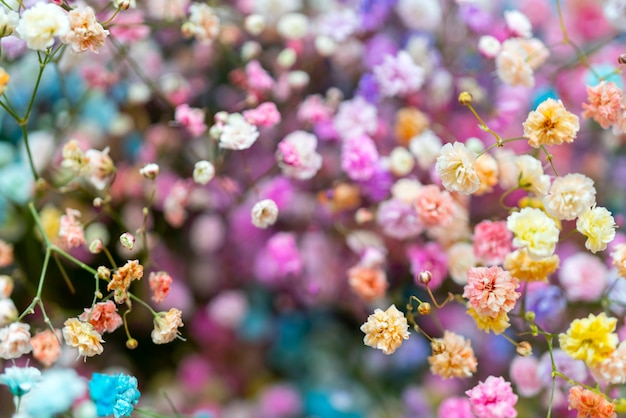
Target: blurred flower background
{"x":270,"y":172}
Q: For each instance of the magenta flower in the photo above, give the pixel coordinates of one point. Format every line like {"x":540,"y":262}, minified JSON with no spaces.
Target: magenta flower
{"x":493,"y":398}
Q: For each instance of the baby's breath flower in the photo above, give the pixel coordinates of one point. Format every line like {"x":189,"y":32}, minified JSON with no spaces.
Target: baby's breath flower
{"x":385,"y":330}
{"x":264,"y":213}
{"x":535,"y":231}
{"x":590,"y":339}
{"x":522,"y":266}
{"x":166,"y":326}
{"x":598,"y":226}
{"x":455,"y":166}
{"x":570,"y":196}
{"x":20,"y":380}
{"x":149,"y":171}
{"x":497,"y":324}
{"x":619,"y":259}
{"x":83,"y":336}
{"x":203,"y":172}
{"x":457,"y":360}
{"x":590,"y":403}
{"x":4,"y":80}
{"x":550,"y":124}
{"x":41,"y":23}
{"x":86,"y":33}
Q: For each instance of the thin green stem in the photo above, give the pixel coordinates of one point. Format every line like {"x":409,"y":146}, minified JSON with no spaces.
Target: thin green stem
{"x":72,"y":259}
{"x":9,"y":110}
{"x":150,"y":413}
{"x":135,"y":298}
{"x":30,"y":309}
{"x":549,"y":159}
{"x":64,"y":274}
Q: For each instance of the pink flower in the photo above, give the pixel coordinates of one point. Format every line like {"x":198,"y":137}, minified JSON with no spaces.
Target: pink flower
{"x":71,"y":233}
{"x":359,"y":157}
{"x":431,"y":257}
{"x":258,"y":79}
{"x":160,"y":284}
{"x":604,"y":103}
{"x":104,"y":317}
{"x":491,"y":290}
{"x":191,"y":119}
{"x":399,"y":75}
{"x":265,"y":114}
{"x":175,"y":202}
{"x":492,"y":242}
{"x":355,"y":118}
{"x":493,"y":398}
{"x":524,"y":373}
{"x":434,"y":206}
{"x":46,"y":346}
{"x":455,"y":408}
{"x":314,"y":110}
{"x":229,"y":308}
{"x":368,"y":282}
{"x":583,"y":277}
{"x":129,"y":27}
{"x":297,"y":156}
{"x":15,"y":340}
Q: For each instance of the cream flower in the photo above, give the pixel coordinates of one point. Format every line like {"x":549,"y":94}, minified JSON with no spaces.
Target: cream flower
{"x":83,"y":336}
{"x":570,"y":196}
{"x":598,"y":226}
{"x":237,"y":133}
{"x":523,"y":171}
{"x":385,"y":330}
{"x":512,"y":65}
{"x":455,"y":166}
{"x":41,"y":23}
{"x":203,"y":172}
{"x":85,"y":31}
{"x":166,"y":326}
{"x":15,"y":340}
{"x":535,"y":231}
{"x":457,"y":360}
{"x":613,"y":369}
{"x":264,"y":213}
{"x":550,"y":124}
{"x":204,"y":24}
{"x":461,"y":258}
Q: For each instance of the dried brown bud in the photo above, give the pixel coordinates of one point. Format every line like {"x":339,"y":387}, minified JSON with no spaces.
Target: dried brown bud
{"x":465,"y":98}
{"x":424,"y":308}
{"x":424,"y":277}
{"x":524,"y":349}
{"x":438,"y":347}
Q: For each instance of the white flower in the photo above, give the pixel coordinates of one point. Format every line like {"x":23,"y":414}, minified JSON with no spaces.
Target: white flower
{"x":293,"y":26}
{"x":297,"y":156}
{"x":203,"y":22}
{"x":570,"y":196}
{"x":264,"y":213}
{"x":149,"y":171}
{"x":385,"y":330}
{"x":489,"y":46}
{"x":41,"y":23}
{"x":8,"y":312}
{"x":420,"y":14}
{"x":518,"y":24}
{"x":237,"y":133}
{"x":460,"y":259}
{"x":523,"y":171}
{"x":513,"y":66}
{"x":203,"y":172}
{"x":8,"y":21}
{"x":425,"y":147}
{"x":455,"y":166}
{"x":401,"y":161}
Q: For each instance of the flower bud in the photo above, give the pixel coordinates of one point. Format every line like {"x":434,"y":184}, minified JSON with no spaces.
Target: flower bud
{"x":104,"y":273}
{"x":128,"y":240}
{"x":150,"y":171}
{"x":524,"y":349}
{"x":131,"y":343}
{"x":6,"y":286}
{"x":530,"y":316}
{"x":465,"y":98}
{"x":122,"y":4}
{"x":424,"y":308}
{"x":96,"y":246}
{"x":438,"y":347}
{"x":424,"y":277}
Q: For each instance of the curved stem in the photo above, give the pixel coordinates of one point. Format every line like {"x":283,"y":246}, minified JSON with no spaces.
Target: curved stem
{"x":136,"y":299}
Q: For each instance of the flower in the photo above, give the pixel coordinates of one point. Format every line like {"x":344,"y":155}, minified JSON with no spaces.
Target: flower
{"x":355,"y":118}
{"x":41,"y":23}
{"x":518,"y":23}
{"x":8,"y":22}
{"x":124,"y":275}
{"x":455,"y":407}
{"x":410,"y":123}
{"x":584,"y":277}
{"x":455,"y":166}
{"x":550,"y":124}
{"x":114,"y":394}
{"x":15,"y":340}
{"x":265,"y":114}
{"x":6,"y":286}
{"x":535,"y":231}
{"x":398,"y":75}
{"x":4,"y":79}
{"x":457,"y":360}
{"x":204,"y":23}
{"x":434,"y":206}
{"x":527,"y":174}
{"x":166,"y":326}
{"x":20,"y":380}
{"x":598,"y":226}
{"x":6,"y":256}
{"x":237,"y":133}
{"x":160,"y":283}
{"x":71,"y":234}
{"x":191,"y":118}
{"x":524,"y":373}
{"x":486,"y":167}
{"x":590,"y":339}
{"x":83,"y":336}
{"x":398,"y":219}
{"x":491,"y":290}
{"x":203,"y":172}
{"x":618,"y":257}
{"x":604,"y":103}
{"x":589,"y":403}
{"x":492,"y":242}
{"x":46,"y":346}
{"x":67,"y":387}
{"x":8,"y":311}
{"x":512,"y":65}
{"x":103,"y":317}
{"x":461,"y":258}
{"x":149,"y":171}
{"x":613,"y":368}
{"x":100,"y":168}
{"x":487,"y":323}
{"x":264,"y":213}
{"x":368,"y":282}
{"x":297,"y":156}
{"x":359,"y":157}
{"x":525,"y":268}
{"x":385,"y":330}
{"x":85,"y":32}
{"x":493,"y":398}
{"x":570,"y":196}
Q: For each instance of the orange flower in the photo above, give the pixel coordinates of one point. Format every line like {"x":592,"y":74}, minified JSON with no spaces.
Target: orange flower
{"x":457,"y":360}
{"x":6,"y":254}
{"x":590,"y":404}
{"x":550,"y":124}
{"x":410,"y":122}
{"x":368,"y":282}
{"x":130,"y":271}
{"x":46,"y":346}
{"x":160,"y":284}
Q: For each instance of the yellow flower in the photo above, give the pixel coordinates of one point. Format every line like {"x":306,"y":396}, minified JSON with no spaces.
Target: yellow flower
{"x":550,"y":124}
{"x":385,"y":330}
{"x":590,"y":339}
{"x":598,"y":226}
{"x":535,"y":231}
{"x":83,"y":336}
{"x":520,"y":265}
{"x":457,"y":360}
{"x":489,"y":324}
{"x":50,"y":218}
{"x":4,"y":80}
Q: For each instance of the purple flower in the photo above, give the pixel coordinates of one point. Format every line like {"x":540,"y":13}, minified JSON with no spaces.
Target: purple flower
{"x":368,"y":88}
{"x":398,"y":219}
{"x":377,"y":187}
{"x":476,"y":18}
{"x":429,"y":257}
{"x":548,"y":303}
{"x":375,"y":12}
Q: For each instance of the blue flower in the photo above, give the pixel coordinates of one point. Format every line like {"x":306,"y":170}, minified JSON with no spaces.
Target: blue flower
{"x":20,"y":380}
{"x":115,"y":394}
{"x":66,"y":385}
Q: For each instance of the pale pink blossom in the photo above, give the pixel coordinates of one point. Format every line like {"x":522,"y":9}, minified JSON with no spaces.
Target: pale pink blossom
{"x":15,"y":340}
{"x":297,"y":156}
{"x":455,"y":166}
{"x":604,"y":103}
{"x":356,"y":117}
{"x":175,"y":202}
{"x":512,"y":65}
{"x":191,"y":118}
{"x":359,"y":157}
{"x":491,"y":290}
{"x":434,"y":206}
{"x":583,"y":277}
{"x":313,"y":110}
{"x":103,"y":317}
{"x":613,"y":369}
{"x":492,"y":242}
{"x":71,"y":234}
{"x":518,"y":24}
{"x":524,"y":374}
{"x":368,"y":282}
{"x":46,"y":346}
{"x":160,"y":284}
{"x":258,"y":79}
{"x":229,"y":308}
{"x":6,"y":286}
{"x":86,"y":33}
{"x":265,"y":114}
{"x":493,"y":398}
{"x":203,"y":22}
{"x":237,"y":133}
{"x":399,"y":75}
{"x":101,"y":168}
{"x":166,"y":326}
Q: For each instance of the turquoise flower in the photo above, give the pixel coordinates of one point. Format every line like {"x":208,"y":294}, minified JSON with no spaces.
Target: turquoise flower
{"x":20,"y":380}
{"x":115,"y":394}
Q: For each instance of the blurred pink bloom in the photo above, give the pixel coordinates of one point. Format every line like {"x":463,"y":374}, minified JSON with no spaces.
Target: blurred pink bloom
{"x":160,"y":283}
{"x":524,"y":374}
{"x":434,"y":206}
{"x":604,"y":103}
{"x":297,"y":155}
{"x":71,"y":233}
{"x":492,"y":242}
{"x":258,"y":79}
{"x":6,"y":254}
{"x":192,"y":119}
{"x":265,"y":114}
{"x":491,"y":290}
{"x":128,"y":27}
{"x":15,"y":340}
{"x":455,"y":408}
{"x":359,"y":157}
{"x":399,"y":75}
{"x":583,"y":277}
{"x":104,"y":317}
